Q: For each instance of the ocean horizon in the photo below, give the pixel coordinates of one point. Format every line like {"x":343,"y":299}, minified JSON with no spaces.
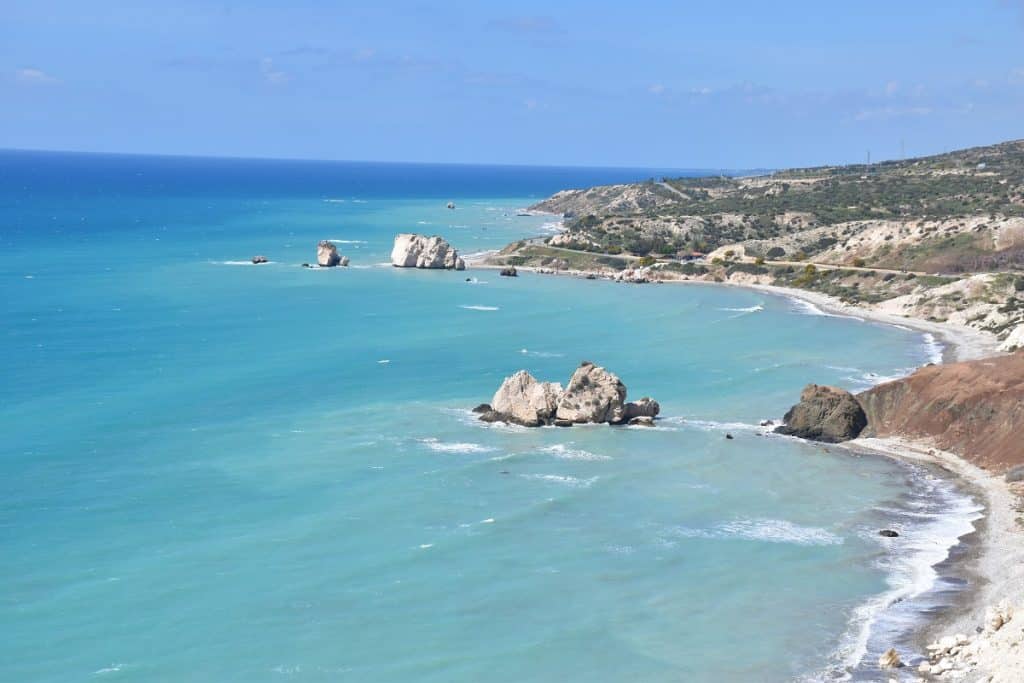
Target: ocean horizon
{"x":221,"y":471}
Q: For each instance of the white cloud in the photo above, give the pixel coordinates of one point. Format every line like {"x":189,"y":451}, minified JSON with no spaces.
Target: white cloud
{"x":30,"y":76}
{"x":880,"y":113}
{"x":656,"y":89}
{"x":891,"y":88}
{"x":700,"y":91}
{"x":272,"y":74}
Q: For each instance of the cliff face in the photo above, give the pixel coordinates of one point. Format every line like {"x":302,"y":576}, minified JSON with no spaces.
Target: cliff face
{"x":974,"y":409}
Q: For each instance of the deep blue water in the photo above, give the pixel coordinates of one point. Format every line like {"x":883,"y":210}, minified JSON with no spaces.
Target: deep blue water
{"x":214,"y":471}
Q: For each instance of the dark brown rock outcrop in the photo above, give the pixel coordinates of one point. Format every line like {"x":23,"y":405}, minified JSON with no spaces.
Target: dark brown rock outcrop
{"x":825,"y":414}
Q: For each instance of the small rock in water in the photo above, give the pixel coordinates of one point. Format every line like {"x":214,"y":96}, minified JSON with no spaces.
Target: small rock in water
{"x":509,"y":272}
{"x":305,"y":265}
{"x":888,"y":533}
{"x":482,"y":408}
{"x":259,"y":259}
{"x":890,"y":660}
{"x":728,"y":436}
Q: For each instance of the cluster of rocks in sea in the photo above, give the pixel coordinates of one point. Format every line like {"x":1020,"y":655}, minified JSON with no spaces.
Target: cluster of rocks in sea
{"x":593,"y":396}
{"x":410,"y":251}
{"x":419,"y":251}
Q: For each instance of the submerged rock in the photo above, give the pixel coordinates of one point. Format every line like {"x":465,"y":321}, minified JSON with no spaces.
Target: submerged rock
{"x":327,"y":255}
{"x":419,"y":251}
{"x":888,"y":533}
{"x":826,"y":414}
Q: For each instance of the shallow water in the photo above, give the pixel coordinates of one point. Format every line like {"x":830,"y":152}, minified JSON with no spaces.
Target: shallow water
{"x":217,"y":471}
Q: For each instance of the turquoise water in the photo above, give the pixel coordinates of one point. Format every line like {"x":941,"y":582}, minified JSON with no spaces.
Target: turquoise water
{"x":218,"y":472}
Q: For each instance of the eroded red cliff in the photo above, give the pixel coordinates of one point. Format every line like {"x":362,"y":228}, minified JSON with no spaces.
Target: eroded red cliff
{"x":974,"y":409}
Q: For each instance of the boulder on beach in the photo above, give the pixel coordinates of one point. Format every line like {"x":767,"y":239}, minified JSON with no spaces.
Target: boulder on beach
{"x":826,"y":414}
{"x":327,"y":255}
{"x":419,"y":251}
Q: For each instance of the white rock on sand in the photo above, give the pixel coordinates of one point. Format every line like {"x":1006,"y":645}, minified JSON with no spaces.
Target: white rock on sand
{"x":996,"y":654}
{"x":419,"y":251}
{"x":1014,"y":341}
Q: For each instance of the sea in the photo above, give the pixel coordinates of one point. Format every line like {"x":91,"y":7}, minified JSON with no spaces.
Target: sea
{"x":216,"y":471}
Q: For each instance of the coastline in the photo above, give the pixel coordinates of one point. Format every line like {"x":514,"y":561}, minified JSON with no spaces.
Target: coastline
{"x":987,"y":564}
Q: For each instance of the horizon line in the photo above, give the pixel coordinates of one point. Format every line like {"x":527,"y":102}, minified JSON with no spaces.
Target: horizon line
{"x":224,"y":157}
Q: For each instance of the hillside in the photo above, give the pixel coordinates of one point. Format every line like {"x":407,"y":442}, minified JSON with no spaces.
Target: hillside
{"x":940,"y":237}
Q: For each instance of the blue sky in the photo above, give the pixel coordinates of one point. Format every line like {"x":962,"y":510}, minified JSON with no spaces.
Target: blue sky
{"x":632,"y":83}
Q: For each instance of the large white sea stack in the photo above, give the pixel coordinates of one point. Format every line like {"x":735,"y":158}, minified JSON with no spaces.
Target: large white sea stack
{"x":419,"y":251}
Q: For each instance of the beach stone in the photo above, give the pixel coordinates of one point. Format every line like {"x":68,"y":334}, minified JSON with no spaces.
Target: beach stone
{"x":523,"y":400}
{"x":826,"y":414}
{"x":259,"y":259}
{"x":419,"y":251}
{"x":592,"y":395}
{"x":1014,"y":474}
{"x":890,"y":659}
{"x":888,"y":533}
{"x":327,"y":254}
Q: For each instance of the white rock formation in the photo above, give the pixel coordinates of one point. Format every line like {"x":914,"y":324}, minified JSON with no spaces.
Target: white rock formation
{"x":525,"y":401}
{"x":327,"y":255}
{"x":593,"y":395}
{"x":1014,"y":341}
{"x":419,"y":251}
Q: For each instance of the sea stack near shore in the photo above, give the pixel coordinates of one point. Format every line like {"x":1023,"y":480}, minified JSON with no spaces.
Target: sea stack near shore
{"x":974,"y":408}
{"x":419,"y":251}
{"x":593,"y":395}
{"x":327,"y":255}
{"x":825,"y":414}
